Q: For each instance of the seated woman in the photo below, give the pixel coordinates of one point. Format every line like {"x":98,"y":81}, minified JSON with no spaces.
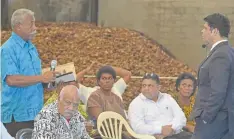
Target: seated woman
{"x":118,"y":88}
{"x":186,"y":87}
{"x":104,"y":99}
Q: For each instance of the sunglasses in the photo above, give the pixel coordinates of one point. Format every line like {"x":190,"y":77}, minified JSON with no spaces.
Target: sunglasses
{"x":152,"y":76}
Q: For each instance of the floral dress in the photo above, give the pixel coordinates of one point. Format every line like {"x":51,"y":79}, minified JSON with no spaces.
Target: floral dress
{"x":186,"y":109}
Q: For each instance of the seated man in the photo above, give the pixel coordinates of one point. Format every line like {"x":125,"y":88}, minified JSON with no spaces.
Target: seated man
{"x":156,"y":113}
{"x":61,"y":119}
{"x":118,"y":87}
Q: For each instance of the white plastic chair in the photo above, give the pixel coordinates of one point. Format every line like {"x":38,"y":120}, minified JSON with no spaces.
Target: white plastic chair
{"x":25,"y":133}
{"x":110,"y":126}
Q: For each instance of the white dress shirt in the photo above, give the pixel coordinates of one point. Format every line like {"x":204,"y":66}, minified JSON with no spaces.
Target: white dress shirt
{"x":147,"y":116}
{"x":215,"y":44}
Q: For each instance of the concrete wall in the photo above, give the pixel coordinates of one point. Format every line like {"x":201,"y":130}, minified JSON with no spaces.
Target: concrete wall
{"x":54,"y":10}
{"x":4,"y":14}
{"x":176,"y":24}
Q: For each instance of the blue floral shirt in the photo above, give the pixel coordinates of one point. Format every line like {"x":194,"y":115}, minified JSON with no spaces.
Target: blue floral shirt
{"x":19,"y":57}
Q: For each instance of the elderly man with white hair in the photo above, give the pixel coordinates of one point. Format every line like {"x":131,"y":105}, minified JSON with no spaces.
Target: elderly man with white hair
{"x":22,"y":90}
{"x":61,"y":119}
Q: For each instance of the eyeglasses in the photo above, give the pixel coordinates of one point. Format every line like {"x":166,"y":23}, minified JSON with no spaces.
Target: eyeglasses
{"x":151,"y":74}
{"x":69,"y":103}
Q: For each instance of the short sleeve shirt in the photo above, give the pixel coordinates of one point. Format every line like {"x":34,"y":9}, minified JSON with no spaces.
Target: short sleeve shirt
{"x":19,"y":57}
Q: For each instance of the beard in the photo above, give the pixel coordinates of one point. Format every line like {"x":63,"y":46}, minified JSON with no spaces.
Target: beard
{"x":68,"y":114}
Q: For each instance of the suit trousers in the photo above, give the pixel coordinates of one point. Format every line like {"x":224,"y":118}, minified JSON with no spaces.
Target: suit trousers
{"x":181,"y":135}
{"x":218,"y":129}
{"x":14,"y":127}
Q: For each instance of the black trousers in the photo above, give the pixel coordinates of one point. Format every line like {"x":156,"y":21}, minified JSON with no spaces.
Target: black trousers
{"x":14,"y":127}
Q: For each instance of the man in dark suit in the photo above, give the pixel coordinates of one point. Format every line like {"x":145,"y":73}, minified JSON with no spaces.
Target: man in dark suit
{"x":213,"y":109}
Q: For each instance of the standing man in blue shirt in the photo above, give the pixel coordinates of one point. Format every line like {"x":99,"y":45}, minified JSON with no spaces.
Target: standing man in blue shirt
{"x":22,"y":90}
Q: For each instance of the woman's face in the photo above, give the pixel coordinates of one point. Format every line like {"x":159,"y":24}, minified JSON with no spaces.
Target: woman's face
{"x":106,"y":81}
{"x":186,"y":87}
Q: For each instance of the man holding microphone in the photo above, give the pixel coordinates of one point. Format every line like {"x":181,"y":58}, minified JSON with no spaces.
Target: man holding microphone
{"x":22,"y":90}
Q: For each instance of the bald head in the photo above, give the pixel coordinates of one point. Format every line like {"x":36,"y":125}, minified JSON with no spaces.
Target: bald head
{"x":69,"y":92}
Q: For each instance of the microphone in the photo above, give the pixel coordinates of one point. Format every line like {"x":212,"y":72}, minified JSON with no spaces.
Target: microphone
{"x":203,"y":46}
{"x":53,"y":64}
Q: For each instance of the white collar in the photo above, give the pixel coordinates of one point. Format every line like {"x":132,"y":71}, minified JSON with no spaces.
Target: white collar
{"x":215,"y":44}
{"x":145,"y":98}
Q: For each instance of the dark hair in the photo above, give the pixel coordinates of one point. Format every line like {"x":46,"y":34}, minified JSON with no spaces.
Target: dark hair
{"x":152,"y":76}
{"x":186,"y":76}
{"x":106,"y":69}
{"x":220,"y":22}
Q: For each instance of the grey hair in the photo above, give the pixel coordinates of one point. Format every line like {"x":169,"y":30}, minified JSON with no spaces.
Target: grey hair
{"x":19,"y":15}
{"x":61,"y":94}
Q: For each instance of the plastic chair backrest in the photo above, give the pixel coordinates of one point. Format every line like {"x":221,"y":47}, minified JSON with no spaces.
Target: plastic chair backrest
{"x":110,"y":126}
{"x":24,"y":134}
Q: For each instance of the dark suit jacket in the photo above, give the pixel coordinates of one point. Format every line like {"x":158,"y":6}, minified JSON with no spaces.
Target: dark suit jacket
{"x":215,"y":96}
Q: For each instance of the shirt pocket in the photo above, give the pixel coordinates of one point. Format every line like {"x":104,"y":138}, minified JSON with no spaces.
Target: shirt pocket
{"x":25,"y":65}
{"x":36,"y":62}
{"x":166,"y":110}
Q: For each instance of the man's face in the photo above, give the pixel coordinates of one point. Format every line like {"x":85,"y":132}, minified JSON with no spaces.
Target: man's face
{"x":27,"y":28}
{"x":106,"y":81}
{"x":68,"y":103}
{"x":150,"y":88}
{"x":207,"y":34}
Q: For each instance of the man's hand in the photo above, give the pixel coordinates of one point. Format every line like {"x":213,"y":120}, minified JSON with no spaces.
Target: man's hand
{"x":89,"y":126}
{"x":167,"y":130}
{"x":190,"y":128}
{"x":48,"y":76}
